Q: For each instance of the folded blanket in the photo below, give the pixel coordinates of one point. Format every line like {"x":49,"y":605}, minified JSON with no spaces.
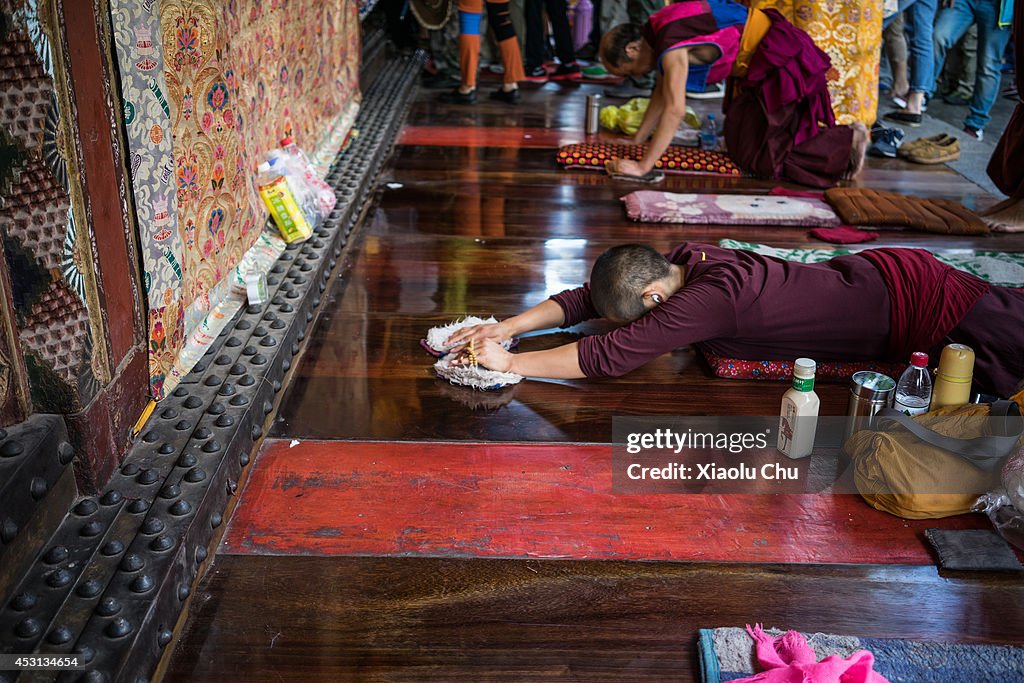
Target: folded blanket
{"x":651,"y":206}
{"x":859,"y":206}
{"x":676,"y":159}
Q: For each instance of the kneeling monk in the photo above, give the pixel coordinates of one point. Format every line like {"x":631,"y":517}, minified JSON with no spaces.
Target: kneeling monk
{"x":779,"y":122}
{"x":878,"y":304}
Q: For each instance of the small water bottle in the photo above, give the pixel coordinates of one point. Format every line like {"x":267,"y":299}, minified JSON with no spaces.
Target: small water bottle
{"x":914,"y":390}
{"x":709,"y":133}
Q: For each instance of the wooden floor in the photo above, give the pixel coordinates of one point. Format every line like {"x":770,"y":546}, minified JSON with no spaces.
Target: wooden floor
{"x":473,"y":217}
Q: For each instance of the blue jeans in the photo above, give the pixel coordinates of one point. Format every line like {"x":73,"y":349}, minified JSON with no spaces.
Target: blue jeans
{"x":920,"y":14}
{"x":992,"y":40}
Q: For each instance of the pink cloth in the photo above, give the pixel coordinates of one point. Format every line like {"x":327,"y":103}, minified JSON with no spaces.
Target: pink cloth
{"x":843,"y":234}
{"x":788,"y":659}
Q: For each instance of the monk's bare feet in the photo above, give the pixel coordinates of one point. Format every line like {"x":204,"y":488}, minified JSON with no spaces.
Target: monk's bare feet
{"x":858,"y":148}
{"x":1006,"y":216}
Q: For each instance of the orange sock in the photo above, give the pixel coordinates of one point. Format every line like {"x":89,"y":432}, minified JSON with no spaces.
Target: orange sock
{"x":469,"y":58}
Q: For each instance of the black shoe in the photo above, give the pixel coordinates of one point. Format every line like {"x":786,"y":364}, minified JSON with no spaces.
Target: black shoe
{"x":904,"y":117}
{"x":507,"y":96}
{"x":456,"y":97}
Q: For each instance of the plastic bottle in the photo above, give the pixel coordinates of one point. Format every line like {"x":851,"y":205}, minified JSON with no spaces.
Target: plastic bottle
{"x":324,"y":194}
{"x":914,"y":388}
{"x":798,"y":419}
{"x":709,"y":133}
{"x":277,"y":195}
{"x":953,"y":378}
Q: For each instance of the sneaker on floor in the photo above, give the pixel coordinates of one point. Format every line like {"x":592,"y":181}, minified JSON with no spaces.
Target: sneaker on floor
{"x":456,"y":97}
{"x":714,"y":91}
{"x":507,"y":96}
{"x":567,"y":72}
{"x":496,"y":69}
{"x":537,"y":74}
{"x":587,"y":52}
{"x":975,"y":133}
{"x":906,"y":148}
{"x":596,"y":72}
{"x":935,"y":152}
{"x":885,"y":142}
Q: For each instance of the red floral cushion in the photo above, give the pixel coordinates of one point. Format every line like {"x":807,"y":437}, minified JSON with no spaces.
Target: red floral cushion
{"x":677,"y":159}
{"x":827,"y":371}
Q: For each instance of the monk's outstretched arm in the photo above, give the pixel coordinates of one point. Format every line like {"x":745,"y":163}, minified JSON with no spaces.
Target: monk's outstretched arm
{"x":673,"y":101}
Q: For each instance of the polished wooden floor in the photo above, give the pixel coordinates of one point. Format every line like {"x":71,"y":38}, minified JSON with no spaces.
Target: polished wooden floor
{"x":484,"y":223}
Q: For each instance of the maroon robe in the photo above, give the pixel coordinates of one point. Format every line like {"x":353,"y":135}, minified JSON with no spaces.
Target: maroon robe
{"x":779,"y":122}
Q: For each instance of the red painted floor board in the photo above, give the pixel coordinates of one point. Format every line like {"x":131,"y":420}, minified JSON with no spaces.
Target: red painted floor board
{"x":542,"y":501}
{"x":456,"y":136}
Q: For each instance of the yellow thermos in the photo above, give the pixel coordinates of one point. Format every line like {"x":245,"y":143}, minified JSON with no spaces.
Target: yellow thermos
{"x":953,"y":378}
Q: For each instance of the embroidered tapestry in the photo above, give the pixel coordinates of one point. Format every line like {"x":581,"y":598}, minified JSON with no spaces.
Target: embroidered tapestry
{"x":850,"y":32}
{"x":210,"y":87}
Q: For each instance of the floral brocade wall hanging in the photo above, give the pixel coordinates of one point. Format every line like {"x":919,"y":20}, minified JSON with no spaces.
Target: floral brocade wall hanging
{"x":237,"y":76}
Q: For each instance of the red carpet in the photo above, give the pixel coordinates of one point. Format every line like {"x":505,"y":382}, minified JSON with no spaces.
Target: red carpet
{"x":543,"y":501}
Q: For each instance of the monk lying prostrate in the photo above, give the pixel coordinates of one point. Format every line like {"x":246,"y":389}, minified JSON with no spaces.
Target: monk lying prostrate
{"x":779,"y":122}
{"x":879,"y":304}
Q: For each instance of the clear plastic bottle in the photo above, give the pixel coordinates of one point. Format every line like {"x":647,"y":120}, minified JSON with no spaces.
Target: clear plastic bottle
{"x":709,"y":133}
{"x":914,"y":389}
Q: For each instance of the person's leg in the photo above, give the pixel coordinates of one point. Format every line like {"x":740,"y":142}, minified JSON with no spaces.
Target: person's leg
{"x":500,"y":20}
{"x":992,"y":43}
{"x":469,"y":42}
{"x":895,"y":41}
{"x":558,"y":14}
{"x":968,"y":73}
{"x":950,"y":25}
{"x":533,"y":11}
{"x":922,"y":53}
{"x":992,"y":329}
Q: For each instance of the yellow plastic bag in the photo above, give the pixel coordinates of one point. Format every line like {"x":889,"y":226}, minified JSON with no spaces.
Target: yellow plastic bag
{"x":627,"y":118}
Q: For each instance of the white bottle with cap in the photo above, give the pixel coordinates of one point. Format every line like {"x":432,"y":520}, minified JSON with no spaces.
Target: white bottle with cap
{"x":799,"y":416}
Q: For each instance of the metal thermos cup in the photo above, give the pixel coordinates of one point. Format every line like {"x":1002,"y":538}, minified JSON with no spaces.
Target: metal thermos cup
{"x":869,"y":393}
{"x":593,"y":121}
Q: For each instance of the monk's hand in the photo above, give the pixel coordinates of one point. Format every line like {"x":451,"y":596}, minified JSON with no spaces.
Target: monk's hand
{"x":624,"y":167}
{"x":493,"y":356}
{"x":496,"y":332}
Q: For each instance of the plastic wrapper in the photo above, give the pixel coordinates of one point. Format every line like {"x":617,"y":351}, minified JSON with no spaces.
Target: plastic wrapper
{"x":1005,"y":508}
{"x":627,"y":118}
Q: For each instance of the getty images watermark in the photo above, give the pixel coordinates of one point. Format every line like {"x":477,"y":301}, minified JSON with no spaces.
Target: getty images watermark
{"x":715,"y":455}
{"x":722,"y":455}
{"x":665,"y":440}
